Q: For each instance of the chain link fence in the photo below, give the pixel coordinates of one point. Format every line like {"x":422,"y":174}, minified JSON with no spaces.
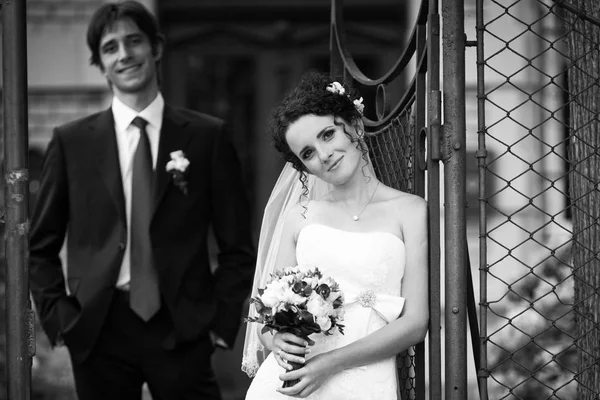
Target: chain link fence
{"x":540,"y":226}
{"x":391,"y":151}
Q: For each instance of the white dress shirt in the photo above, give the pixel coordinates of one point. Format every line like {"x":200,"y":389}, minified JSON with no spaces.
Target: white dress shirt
{"x":128,"y":136}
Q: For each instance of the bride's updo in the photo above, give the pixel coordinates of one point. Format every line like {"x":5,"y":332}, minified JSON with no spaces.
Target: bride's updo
{"x":312,"y":96}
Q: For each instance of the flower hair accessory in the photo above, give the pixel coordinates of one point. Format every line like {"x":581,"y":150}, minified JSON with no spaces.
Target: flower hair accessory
{"x":358,"y":103}
{"x":177,"y":167}
{"x":338,"y":88}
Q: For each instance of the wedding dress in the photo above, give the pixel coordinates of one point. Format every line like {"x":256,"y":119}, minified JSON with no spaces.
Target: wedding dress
{"x":369,"y":268}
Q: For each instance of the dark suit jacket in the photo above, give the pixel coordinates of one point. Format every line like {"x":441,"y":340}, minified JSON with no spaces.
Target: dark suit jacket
{"x":81,"y":195}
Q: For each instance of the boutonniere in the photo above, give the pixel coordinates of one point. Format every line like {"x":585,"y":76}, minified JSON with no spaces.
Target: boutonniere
{"x":177,"y":167}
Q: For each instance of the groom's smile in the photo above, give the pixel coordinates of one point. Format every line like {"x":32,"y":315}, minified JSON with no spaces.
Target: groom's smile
{"x":130,"y":69}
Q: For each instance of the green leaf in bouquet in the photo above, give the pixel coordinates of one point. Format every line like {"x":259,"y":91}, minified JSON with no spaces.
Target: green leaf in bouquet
{"x":258,"y":304}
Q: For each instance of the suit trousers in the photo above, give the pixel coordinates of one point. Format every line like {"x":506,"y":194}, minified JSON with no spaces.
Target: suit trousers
{"x":129,"y":352}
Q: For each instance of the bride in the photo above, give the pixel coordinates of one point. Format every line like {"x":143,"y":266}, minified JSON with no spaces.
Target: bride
{"x":329,"y":210}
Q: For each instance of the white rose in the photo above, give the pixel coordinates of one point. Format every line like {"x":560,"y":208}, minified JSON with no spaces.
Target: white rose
{"x":178,"y":162}
{"x":288,"y":296}
{"x":181,"y":164}
{"x":176,"y":154}
{"x":327,"y":281}
{"x":272,"y":294}
{"x":312,"y":281}
{"x":321,"y":310}
{"x":324,"y":323}
{"x":171,"y":166}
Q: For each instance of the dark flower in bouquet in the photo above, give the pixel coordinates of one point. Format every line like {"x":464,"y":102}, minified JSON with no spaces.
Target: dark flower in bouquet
{"x":299,"y":301}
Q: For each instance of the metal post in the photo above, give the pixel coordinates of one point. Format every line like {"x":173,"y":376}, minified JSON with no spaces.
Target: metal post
{"x":336,"y":63}
{"x":19,"y":329}
{"x":455,"y":199}
{"x":419,"y":174}
{"x":433,"y":200}
{"x":482,"y":373}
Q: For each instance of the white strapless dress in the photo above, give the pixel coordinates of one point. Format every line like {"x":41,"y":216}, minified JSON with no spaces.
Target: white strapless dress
{"x":369,"y":268}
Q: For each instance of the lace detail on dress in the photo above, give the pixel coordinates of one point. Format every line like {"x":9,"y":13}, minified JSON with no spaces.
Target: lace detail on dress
{"x":377,"y":276}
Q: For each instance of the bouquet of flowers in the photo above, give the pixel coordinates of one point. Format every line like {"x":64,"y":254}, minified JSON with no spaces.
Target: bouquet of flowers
{"x":299,"y":301}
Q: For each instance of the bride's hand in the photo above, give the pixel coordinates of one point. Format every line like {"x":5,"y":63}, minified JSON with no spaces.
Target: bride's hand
{"x":288,"y":347}
{"x":312,"y":375}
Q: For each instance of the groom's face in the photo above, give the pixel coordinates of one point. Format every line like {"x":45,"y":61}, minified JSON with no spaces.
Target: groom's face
{"x":127,"y":59}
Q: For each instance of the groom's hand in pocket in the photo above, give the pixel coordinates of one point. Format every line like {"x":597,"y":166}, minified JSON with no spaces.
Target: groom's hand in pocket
{"x":217,"y":341}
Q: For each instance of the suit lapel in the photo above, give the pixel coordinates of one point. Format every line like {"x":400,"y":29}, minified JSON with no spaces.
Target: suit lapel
{"x":173,"y":137}
{"x":105,"y":143}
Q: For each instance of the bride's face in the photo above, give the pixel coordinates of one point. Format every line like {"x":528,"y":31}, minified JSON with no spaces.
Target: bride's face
{"x":324,"y":148}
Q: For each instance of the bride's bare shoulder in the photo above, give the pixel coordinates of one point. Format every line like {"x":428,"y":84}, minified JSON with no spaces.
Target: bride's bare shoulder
{"x":400,"y":198}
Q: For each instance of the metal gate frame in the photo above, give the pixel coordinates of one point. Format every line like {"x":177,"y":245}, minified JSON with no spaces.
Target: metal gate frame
{"x":442,"y":139}
{"x":429,"y":144}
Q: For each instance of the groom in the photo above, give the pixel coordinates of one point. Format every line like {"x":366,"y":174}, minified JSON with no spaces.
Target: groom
{"x":133,"y":189}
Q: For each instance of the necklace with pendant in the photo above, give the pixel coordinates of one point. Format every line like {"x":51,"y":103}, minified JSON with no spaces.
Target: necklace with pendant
{"x":356,"y":217}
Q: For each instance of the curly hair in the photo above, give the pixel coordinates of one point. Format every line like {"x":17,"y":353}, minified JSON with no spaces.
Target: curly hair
{"x":311,"y":96}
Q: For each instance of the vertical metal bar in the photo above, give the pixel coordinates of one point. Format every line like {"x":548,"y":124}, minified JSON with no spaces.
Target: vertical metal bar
{"x":420,"y":111}
{"x":19,"y":328}
{"x":419,"y":174}
{"x":482,"y":373}
{"x":455,"y":199}
{"x":336,"y":64}
{"x":433,"y":200}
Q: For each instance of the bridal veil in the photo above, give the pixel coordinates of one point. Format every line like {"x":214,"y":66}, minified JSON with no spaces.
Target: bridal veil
{"x":287,"y":192}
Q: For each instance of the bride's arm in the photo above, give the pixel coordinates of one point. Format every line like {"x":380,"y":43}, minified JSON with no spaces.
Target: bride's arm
{"x":286,"y":256}
{"x":396,"y":336}
{"x":411,"y":327}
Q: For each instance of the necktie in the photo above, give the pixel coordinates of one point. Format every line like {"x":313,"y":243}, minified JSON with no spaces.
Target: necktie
{"x":144,"y":292}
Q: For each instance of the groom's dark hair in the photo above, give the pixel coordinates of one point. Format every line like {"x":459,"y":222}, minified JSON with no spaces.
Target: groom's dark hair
{"x":109,"y":13}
